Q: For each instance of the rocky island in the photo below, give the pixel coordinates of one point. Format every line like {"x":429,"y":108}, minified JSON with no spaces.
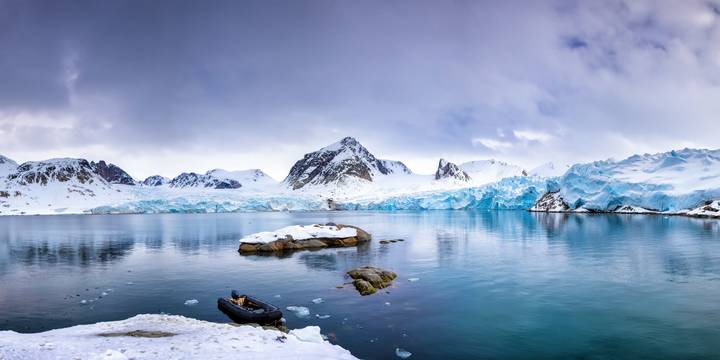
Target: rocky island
{"x":303,"y":237}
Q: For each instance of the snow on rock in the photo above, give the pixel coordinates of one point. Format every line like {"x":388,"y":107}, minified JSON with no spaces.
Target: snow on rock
{"x":301,"y":232}
{"x":155,"y":180}
{"x":448,"y":170}
{"x":339,"y":163}
{"x":7,"y":166}
{"x":192,"y":179}
{"x":708,"y":209}
{"x":664,"y":182}
{"x":190,"y":338}
{"x":55,"y":170}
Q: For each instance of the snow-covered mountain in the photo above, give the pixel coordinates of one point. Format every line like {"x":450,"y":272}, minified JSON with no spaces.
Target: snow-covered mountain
{"x":343,"y":162}
{"x":155,"y":180}
{"x":223,"y":179}
{"x":345,"y":175}
{"x":670,"y":181}
{"x":448,"y":170}
{"x":112,"y":173}
{"x":489,"y":171}
{"x":548,"y":169}
{"x":7,"y":166}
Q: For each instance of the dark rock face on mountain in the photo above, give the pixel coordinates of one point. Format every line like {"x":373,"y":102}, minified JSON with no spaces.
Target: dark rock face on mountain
{"x":155,"y":180}
{"x":112,"y":173}
{"x":448,"y":170}
{"x":339,"y":162}
{"x":7,"y":166}
{"x":192,"y":179}
{"x":61,"y":170}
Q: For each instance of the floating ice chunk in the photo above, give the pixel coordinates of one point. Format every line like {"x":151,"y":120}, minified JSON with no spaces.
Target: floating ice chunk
{"x":277,"y":296}
{"x":413,"y":279}
{"x":308,"y":334}
{"x":83,"y":301}
{"x":318,"y":301}
{"x":130,"y":283}
{"x":299,"y":311}
{"x":104,"y":294}
{"x":191,"y":302}
{"x":402,"y":353}
{"x":322,"y":316}
{"x":387,"y":303}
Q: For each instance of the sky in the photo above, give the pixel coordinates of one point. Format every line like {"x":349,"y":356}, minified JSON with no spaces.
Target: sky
{"x":165,"y":86}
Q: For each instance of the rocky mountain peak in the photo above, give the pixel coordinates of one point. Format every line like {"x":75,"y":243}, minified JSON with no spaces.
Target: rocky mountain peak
{"x":112,"y":173}
{"x":448,"y":170}
{"x":155,"y":180}
{"x":60,"y":170}
{"x":340,"y":162}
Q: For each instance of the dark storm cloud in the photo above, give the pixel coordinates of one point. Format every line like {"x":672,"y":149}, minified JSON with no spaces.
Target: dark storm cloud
{"x":471,"y":78}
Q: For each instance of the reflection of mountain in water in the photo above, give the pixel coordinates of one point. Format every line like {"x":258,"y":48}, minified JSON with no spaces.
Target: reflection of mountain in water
{"x":83,"y":254}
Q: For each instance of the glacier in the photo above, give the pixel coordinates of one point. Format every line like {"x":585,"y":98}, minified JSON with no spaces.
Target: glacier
{"x":666,"y":182}
{"x":513,"y":193}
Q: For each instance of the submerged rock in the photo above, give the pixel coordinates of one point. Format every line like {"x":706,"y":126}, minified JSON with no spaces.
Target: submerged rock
{"x":293,"y":238}
{"x":368,"y":279}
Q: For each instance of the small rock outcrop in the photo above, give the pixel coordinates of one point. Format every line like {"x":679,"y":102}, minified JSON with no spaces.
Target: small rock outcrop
{"x":368,"y":279}
{"x":448,"y":170}
{"x":328,"y":235}
{"x":552,"y":201}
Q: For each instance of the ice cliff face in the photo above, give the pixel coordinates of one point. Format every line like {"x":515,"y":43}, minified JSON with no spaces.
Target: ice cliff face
{"x":670,"y":181}
{"x":112,"y":173}
{"x":339,"y":163}
{"x":448,"y":170}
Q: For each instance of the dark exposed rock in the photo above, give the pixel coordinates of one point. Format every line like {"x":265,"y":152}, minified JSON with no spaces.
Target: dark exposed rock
{"x":552,"y":201}
{"x":139,"y":333}
{"x":112,"y":173}
{"x":369,"y":279}
{"x":338,"y":163}
{"x":448,"y":170}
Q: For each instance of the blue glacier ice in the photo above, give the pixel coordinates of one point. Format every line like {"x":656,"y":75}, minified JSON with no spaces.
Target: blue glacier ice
{"x":509,"y":193}
{"x":196,"y":204}
{"x":670,"y":181}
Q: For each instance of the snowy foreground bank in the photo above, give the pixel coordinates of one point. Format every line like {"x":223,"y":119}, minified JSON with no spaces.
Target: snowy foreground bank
{"x":184,"y":338}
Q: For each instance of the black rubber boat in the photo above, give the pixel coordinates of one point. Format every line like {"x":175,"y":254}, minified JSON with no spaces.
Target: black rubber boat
{"x":245,"y":309}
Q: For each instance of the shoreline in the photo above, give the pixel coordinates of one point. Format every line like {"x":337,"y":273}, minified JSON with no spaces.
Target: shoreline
{"x":149,"y":336}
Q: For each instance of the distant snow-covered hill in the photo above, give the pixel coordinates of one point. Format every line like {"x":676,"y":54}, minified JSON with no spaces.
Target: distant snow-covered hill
{"x":489,"y":171}
{"x":7,"y":166}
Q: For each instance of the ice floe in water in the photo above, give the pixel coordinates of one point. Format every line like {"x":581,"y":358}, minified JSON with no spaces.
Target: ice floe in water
{"x":191,"y":302}
{"x":402,"y":353}
{"x":322,"y":317}
{"x":299,"y":311}
{"x":318,"y":301}
{"x":414,"y":279}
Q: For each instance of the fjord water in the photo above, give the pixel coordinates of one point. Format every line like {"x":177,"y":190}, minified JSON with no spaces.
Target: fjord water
{"x":491,"y":284}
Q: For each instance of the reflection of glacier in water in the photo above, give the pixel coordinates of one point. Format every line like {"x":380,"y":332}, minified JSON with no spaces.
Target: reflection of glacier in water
{"x":564,"y":283}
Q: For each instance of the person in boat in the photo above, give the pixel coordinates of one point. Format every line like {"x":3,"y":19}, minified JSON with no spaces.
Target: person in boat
{"x":247,"y":309}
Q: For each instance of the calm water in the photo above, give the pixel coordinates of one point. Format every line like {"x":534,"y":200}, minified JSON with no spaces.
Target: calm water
{"x":492,"y":285}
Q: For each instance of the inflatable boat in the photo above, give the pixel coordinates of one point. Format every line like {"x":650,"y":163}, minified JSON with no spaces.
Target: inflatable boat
{"x":245,"y":309}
